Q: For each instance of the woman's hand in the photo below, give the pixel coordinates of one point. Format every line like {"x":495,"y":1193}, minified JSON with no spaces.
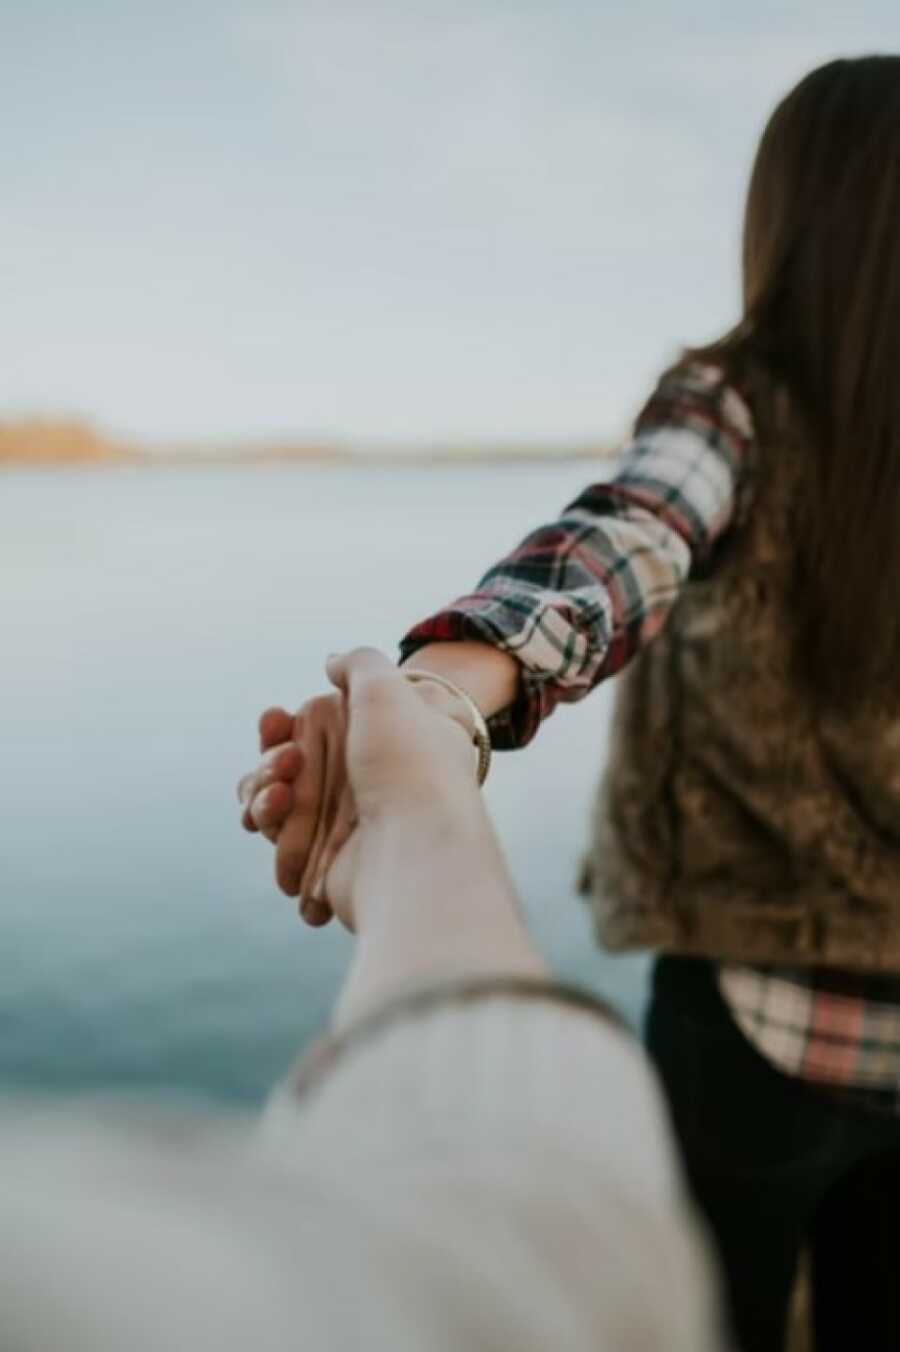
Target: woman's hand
{"x":298,"y":795}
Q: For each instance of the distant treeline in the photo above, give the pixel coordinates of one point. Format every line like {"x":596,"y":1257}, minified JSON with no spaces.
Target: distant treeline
{"x":63,"y":441}
{"x":56,"y":441}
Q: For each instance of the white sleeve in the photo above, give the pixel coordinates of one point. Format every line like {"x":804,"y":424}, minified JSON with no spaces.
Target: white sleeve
{"x":514,"y":1177}
{"x":473,"y":1175}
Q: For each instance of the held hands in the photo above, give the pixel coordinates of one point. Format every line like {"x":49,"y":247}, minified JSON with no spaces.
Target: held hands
{"x":299,"y":799}
{"x":403,"y":751}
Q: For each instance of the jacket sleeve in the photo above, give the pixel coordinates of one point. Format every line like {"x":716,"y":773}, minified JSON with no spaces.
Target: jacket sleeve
{"x":580,"y":596}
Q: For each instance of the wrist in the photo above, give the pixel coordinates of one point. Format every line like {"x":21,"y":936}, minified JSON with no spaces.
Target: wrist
{"x":405,"y":851}
{"x":489,"y":675}
{"x":439,"y":696}
{"x":463,"y":711}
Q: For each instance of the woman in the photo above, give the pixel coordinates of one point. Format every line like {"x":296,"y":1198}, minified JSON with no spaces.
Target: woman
{"x":749,"y":822}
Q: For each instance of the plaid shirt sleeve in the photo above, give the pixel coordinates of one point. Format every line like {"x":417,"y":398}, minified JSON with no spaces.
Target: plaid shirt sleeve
{"x":580,"y":596}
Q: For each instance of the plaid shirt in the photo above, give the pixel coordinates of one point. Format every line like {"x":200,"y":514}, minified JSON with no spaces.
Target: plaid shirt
{"x":580,"y":596}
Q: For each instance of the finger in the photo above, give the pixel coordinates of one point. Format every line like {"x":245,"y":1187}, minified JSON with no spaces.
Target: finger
{"x":275,"y":725}
{"x":333,"y":764}
{"x":316,"y":913}
{"x":246,"y":794}
{"x":270,"y":809}
{"x":298,"y":832}
{"x":340,"y":882}
{"x":344,"y":670}
{"x":341,"y":830}
{"x":281,"y":764}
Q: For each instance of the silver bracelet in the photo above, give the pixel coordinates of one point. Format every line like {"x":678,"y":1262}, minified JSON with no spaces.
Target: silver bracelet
{"x":481,"y":737}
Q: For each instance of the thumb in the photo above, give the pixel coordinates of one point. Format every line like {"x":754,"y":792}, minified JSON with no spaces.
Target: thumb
{"x":347,"y":671}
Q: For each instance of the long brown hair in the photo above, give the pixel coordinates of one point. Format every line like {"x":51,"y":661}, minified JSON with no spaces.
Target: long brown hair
{"x":821,"y":328}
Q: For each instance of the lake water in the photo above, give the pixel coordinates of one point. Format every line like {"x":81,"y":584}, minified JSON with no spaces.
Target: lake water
{"x":148,"y":614}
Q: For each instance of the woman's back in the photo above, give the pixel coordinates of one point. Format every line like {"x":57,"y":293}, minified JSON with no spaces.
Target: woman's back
{"x":740,"y":818}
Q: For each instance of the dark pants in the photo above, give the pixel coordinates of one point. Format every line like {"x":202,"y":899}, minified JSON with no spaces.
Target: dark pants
{"x":776,"y":1166}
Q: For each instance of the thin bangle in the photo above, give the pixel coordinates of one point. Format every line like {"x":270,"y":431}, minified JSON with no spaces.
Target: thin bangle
{"x":481,"y":737}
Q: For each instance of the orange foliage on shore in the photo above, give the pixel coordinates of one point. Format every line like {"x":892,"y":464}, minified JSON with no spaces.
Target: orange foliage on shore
{"x":71,"y":441}
{"x":55,"y":441}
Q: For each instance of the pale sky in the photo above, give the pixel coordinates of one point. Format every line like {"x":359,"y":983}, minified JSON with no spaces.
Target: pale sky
{"x":379,"y":219}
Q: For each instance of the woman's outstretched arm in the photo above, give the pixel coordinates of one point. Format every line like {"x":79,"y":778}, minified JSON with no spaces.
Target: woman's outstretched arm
{"x":566,"y":610}
{"x":581,"y":595}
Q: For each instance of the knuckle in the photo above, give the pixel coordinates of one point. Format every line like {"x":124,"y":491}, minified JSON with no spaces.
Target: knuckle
{"x":268,"y":762}
{"x":319,"y":710}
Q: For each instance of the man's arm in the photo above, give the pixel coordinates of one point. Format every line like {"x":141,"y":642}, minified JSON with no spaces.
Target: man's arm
{"x":422,"y":881}
{"x":502,"y":1136}
{"x":434,"y":903}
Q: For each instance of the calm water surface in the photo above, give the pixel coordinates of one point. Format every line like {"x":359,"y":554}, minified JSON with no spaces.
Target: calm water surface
{"x":147,"y":616}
